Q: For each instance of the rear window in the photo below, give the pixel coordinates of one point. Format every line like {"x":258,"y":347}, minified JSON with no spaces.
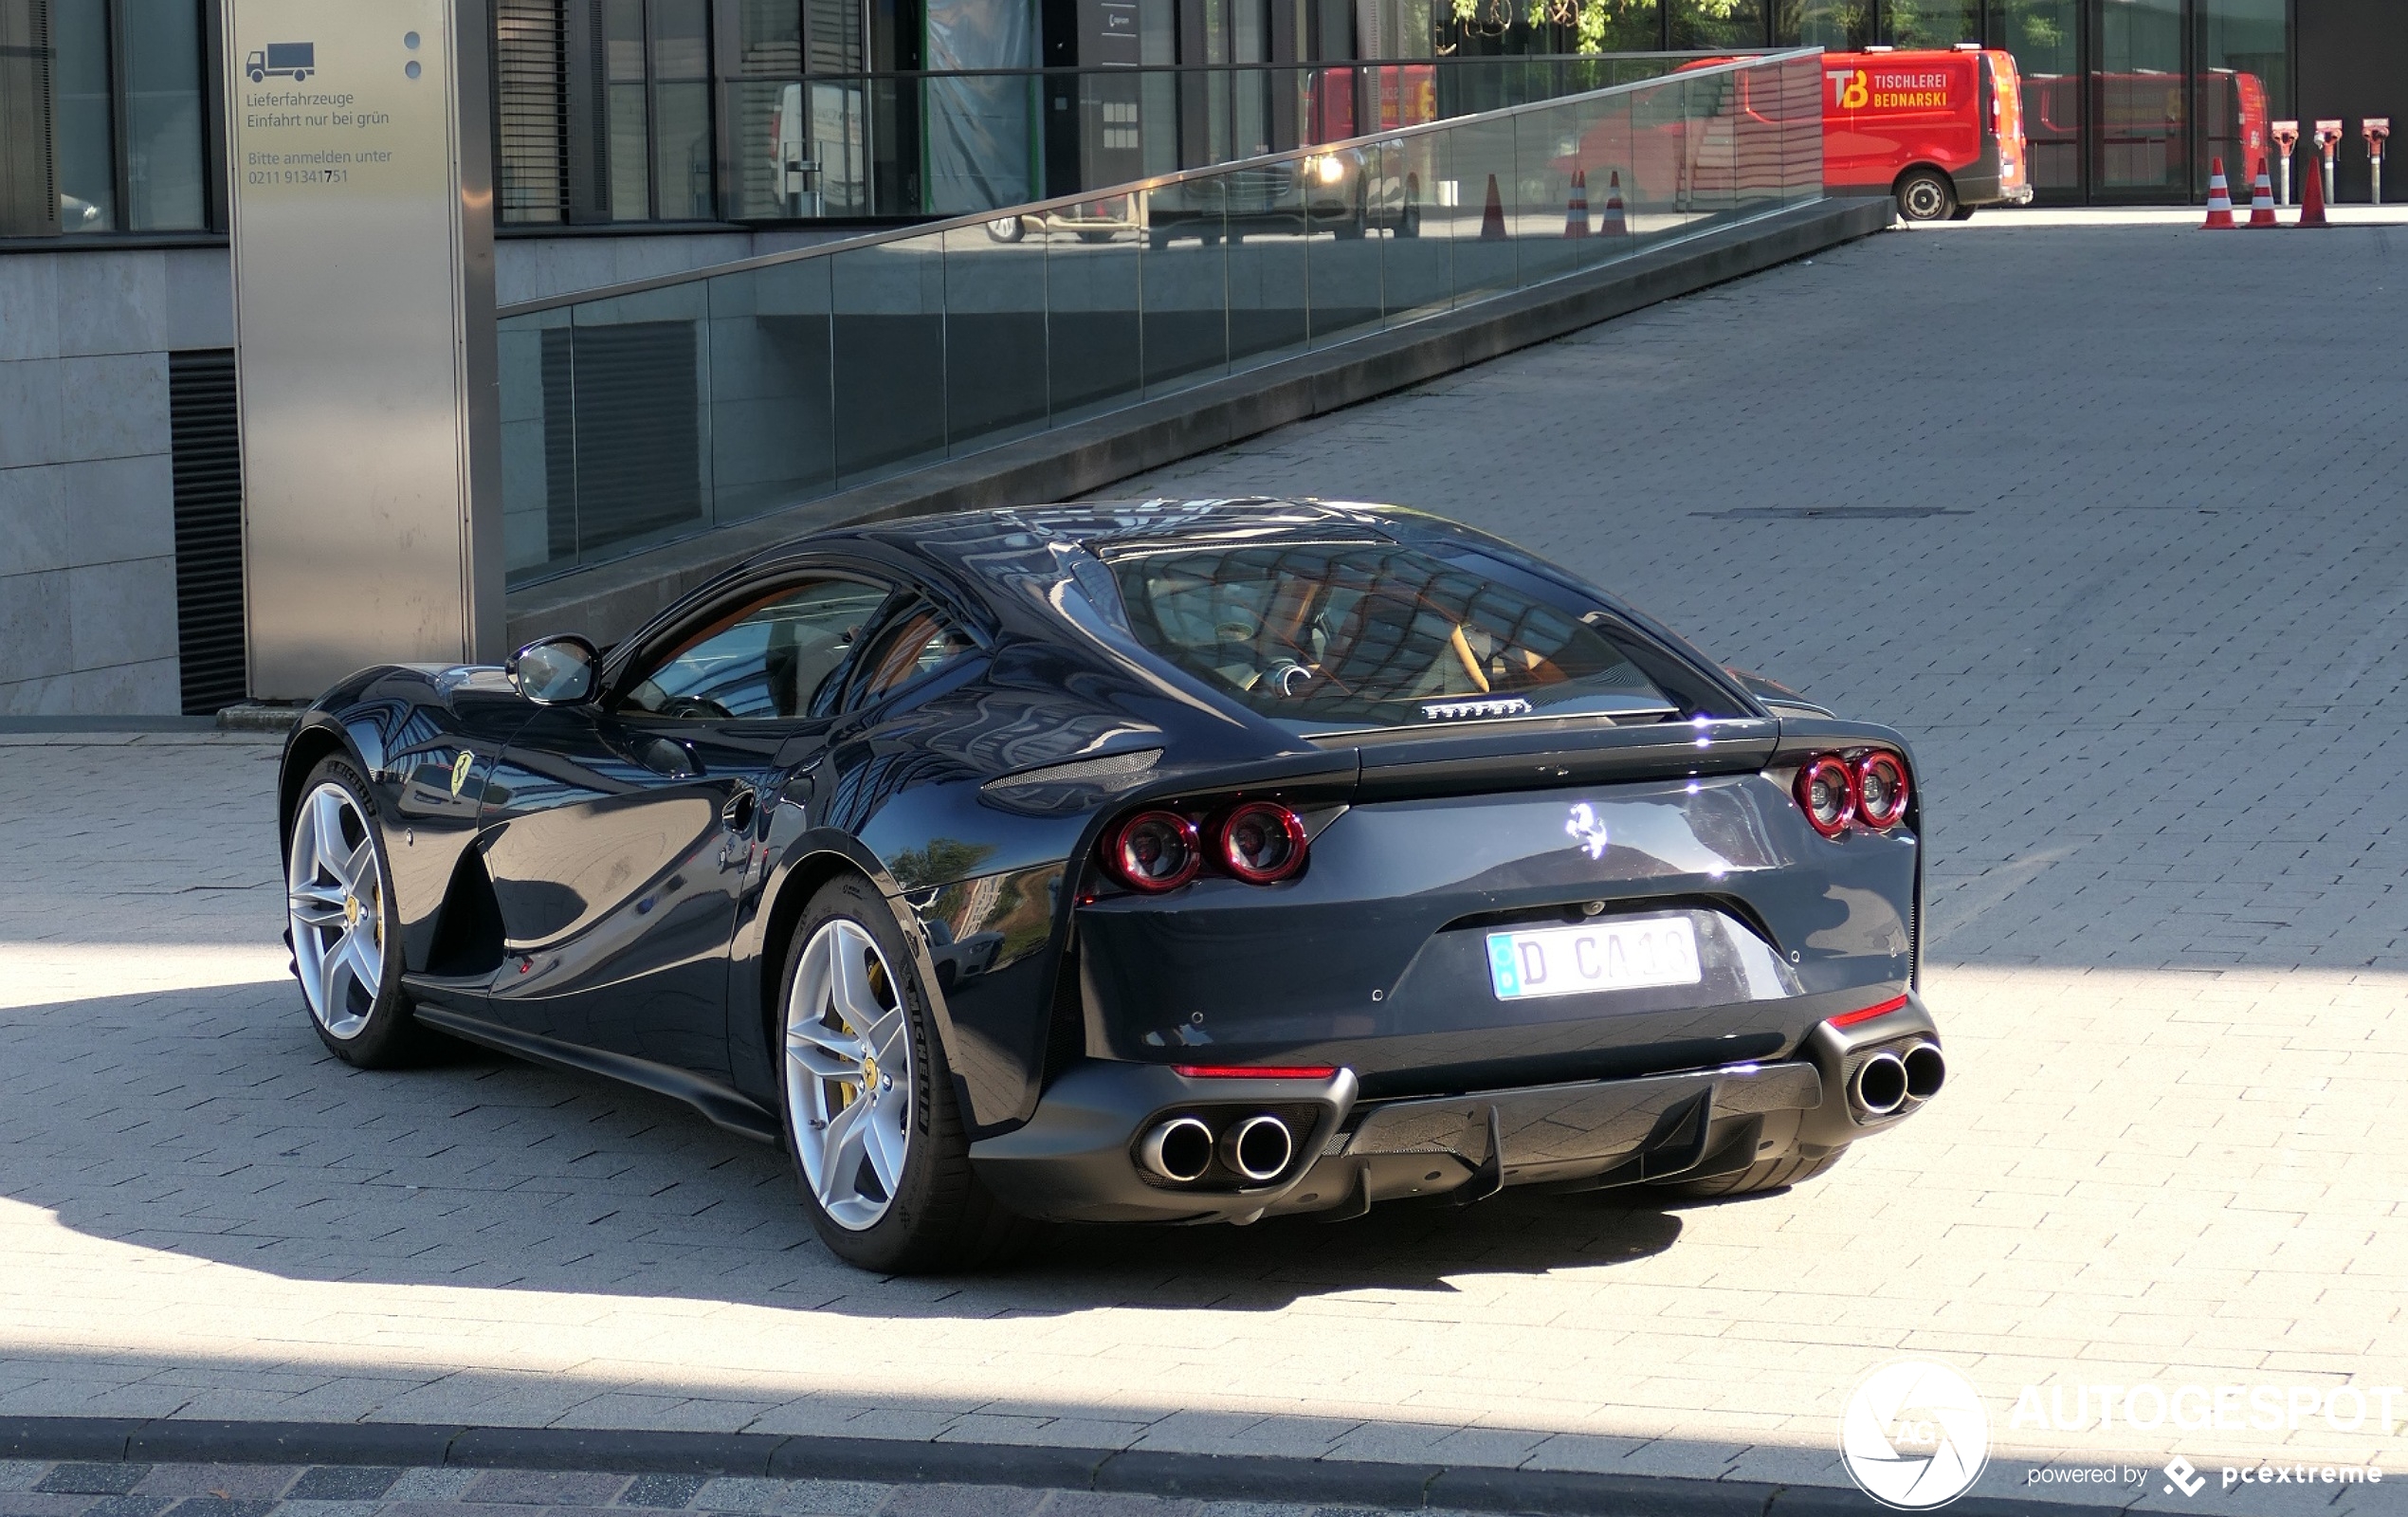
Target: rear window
{"x":1332,"y":637}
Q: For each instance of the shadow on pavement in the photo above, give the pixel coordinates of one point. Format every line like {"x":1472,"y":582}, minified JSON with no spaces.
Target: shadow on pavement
{"x":210,"y":1124}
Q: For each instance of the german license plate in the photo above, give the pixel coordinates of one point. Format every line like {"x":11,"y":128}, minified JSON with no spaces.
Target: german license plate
{"x":1624,"y":955}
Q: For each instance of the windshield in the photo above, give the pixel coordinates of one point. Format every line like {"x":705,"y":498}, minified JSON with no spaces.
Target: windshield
{"x":1332,"y":636}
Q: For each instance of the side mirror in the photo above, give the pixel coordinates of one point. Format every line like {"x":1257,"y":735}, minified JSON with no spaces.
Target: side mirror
{"x":555,"y":670}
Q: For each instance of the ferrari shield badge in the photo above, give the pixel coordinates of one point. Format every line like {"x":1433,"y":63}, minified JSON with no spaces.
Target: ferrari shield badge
{"x":460,"y":770}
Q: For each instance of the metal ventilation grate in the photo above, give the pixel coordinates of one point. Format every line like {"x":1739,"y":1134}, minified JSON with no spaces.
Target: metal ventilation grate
{"x":208,"y":462}
{"x":633,"y":433}
{"x":28,"y":168}
{"x":531,"y":111}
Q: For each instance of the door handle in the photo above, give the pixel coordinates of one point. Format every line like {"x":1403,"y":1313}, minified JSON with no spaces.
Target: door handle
{"x":736,"y":816}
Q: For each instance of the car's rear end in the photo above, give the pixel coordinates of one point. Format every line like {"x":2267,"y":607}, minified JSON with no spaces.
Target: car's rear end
{"x":1533,"y":895}
{"x":2004,"y":177}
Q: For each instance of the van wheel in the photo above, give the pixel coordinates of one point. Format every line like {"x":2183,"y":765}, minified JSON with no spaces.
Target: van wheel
{"x":1926,"y":195}
{"x":1962,"y":213}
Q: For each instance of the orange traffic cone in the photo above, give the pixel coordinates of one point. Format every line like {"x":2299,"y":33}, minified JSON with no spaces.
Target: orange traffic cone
{"x":2261,"y":199}
{"x":1492,"y":228}
{"x":1614,"y":224}
{"x":2311,"y":204}
{"x":2220,"y":199}
{"x":1575,"y":211}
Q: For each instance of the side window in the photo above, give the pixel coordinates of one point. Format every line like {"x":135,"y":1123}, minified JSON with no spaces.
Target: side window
{"x":762,"y":659}
{"x":917,"y":643}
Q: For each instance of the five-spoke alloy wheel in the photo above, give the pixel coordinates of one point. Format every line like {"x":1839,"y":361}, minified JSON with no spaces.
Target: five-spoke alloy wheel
{"x":849,"y":1074}
{"x":338,"y":902}
{"x":871,"y":1109}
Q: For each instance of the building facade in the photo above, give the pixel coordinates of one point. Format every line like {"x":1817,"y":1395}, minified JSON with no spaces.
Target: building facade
{"x":644,"y":137}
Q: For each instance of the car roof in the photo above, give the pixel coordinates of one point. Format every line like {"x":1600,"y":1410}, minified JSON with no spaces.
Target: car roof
{"x":991,"y":548}
{"x":1109,"y":528}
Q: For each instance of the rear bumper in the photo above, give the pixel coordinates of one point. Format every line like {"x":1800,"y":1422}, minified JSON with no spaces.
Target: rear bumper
{"x":1979,"y":190}
{"x":1078,"y":1159}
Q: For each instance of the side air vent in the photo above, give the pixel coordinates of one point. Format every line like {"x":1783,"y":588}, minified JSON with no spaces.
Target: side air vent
{"x":1113,"y":771}
{"x":468,"y":929}
{"x":1059,"y":790}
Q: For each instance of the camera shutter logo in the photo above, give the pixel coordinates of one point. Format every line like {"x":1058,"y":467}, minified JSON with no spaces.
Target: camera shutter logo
{"x":1915,"y":1435}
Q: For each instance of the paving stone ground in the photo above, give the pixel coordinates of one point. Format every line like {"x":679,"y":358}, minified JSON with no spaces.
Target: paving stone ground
{"x":2108,"y":515}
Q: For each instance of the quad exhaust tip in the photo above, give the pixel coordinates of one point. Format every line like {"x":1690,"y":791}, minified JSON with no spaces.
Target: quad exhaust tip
{"x":1258,"y":1148}
{"x":1926,"y":1071}
{"x":1179,"y":1150}
{"x":1880,"y":1085}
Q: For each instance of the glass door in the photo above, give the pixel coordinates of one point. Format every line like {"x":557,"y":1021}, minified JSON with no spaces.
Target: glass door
{"x":2044,"y":36}
{"x":2242,"y":73}
{"x":2140,"y":145}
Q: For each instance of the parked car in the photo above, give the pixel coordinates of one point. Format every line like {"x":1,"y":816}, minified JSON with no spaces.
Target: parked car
{"x":1346,"y":191}
{"x":1163,"y":862}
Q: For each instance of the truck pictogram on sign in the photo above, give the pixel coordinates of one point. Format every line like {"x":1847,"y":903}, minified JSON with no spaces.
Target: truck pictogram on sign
{"x":295,"y":61}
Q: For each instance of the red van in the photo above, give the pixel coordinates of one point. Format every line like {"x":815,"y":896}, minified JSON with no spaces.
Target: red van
{"x":1943,"y":131}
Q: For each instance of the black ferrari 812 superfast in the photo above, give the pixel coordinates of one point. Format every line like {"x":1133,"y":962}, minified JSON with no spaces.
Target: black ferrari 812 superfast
{"x":1154,"y":862}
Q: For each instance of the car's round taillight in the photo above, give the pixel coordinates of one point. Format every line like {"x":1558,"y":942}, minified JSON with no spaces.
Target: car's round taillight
{"x":1260,"y":843}
{"x":1826,"y":793}
{"x":1154,"y":850}
{"x":1881,"y":790}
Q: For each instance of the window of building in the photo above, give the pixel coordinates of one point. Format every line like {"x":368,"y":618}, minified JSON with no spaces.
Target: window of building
{"x":2140,"y":106}
{"x":1930,"y":23}
{"x":531,"y":121}
{"x":2045,"y":38}
{"x":2243,"y":61}
{"x":1718,"y":23}
{"x":1844,"y":26}
{"x":121,"y":105}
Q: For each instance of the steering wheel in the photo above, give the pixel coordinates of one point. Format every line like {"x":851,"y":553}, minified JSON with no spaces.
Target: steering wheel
{"x":1288,"y":678}
{"x":695,"y":708}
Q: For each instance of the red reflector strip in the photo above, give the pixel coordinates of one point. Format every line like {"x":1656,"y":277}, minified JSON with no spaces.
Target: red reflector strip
{"x":1851,"y":1018}
{"x":1247,"y":1072}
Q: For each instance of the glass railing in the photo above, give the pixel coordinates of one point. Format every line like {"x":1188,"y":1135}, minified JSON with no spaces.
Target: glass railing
{"x":658,"y":410}
{"x":876,"y":145}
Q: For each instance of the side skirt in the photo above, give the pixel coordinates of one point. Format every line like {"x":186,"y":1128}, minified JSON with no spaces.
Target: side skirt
{"x":726,"y":1109}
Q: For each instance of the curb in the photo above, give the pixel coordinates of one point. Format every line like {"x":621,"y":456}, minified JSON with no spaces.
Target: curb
{"x":803,"y":1456}
{"x":252,"y":716}
{"x":34,"y":726}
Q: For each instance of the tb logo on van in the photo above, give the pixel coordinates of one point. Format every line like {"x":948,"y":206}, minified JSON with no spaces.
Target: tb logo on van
{"x":1849,"y":89}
